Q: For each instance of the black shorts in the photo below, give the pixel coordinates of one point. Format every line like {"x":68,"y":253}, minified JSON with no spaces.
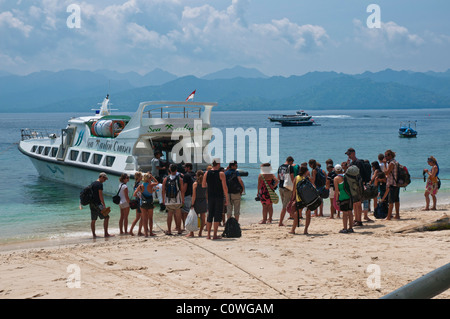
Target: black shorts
{"x":394,"y":194}
{"x":215,"y":209}
{"x":96,"y":211}
{"x":345,"y":205}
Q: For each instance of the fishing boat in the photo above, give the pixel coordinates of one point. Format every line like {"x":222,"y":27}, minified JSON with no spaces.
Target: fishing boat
{"x":116,"y":144}
{"x":406,"y":130}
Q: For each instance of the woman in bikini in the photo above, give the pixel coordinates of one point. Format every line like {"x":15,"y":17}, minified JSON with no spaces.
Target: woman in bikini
{"x":432,"y":183}
{"x":266,"y":177}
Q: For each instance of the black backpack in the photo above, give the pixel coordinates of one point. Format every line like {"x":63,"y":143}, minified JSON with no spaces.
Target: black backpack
{"x":381,"y":211}
{"x":309,"y":194}
{"x":321,"y":179}
{"x":234,"y":187}
{"x":232,"y":229}
{"x":172,"y":187}
{"x":371,"y":191}
{"x":86,"y":195}
{"x":365,"y":170}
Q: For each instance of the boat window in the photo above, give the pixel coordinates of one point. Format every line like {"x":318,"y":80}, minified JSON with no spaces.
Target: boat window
{"x":33,"y":149}
{"x":54,"y":151}
{"x":40,"y":149}
{"x":97,"y":159}
{"x":109,"y":161}
{"x":85,"y":157}
{"x":47,"y":150}
{"x":74,"y":155}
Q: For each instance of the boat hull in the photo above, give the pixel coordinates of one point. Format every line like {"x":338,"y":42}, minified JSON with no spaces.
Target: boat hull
{"x":75,"y":176}
{"x":408,"y":135}
{"x":300,"y":123}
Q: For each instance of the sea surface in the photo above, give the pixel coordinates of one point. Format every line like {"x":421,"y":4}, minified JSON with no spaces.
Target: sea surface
{"x":33,"y":209}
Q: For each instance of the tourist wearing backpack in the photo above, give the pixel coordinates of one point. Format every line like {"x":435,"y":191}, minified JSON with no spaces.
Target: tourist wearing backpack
{"x":357,"y":200}
{"x":344,"y":200}
{"x":285,"y":171}
{"x":173,"y":198}
{"x":98,"y":206}
{"x":319,"y":180}
{"x":299,"y":205}
{"x":235,"y":189}
{"x":188,"y":182}
{"x":391,"y":184}
{"x":216,"y":182}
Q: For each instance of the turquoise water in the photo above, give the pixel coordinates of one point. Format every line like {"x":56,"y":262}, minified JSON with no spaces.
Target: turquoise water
{"x":33,"y":208}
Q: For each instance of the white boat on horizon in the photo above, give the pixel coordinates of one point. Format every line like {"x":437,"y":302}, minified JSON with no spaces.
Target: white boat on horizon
{"x":298,"y":116}
{"x":114,"y":144}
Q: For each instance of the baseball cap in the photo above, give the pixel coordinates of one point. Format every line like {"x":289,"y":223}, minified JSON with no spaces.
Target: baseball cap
{"x":350,"y":150}
{"x":338,"y":167}
{"x":103,"y":174}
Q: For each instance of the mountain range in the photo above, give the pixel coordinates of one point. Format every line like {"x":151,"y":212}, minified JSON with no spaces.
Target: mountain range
{"x":238,"y":88}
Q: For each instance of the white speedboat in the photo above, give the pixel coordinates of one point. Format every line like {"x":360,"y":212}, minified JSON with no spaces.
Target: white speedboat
{"x":299,"y":116}
{"x":116,"y":144}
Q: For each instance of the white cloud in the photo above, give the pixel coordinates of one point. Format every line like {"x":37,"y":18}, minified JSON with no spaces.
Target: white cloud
{"x":301,"y":37}
{"x":141,"y":36}
{"x":7,"y":19}
{"x":161,"y":33}
{"x":389,"y":38}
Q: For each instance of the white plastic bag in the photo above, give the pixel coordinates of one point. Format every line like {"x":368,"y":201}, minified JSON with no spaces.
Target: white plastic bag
{"x":287,"y":180}
{"x":191,"y":222}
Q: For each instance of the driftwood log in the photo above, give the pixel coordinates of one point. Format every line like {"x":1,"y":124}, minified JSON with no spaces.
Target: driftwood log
{"x":442,"y":223}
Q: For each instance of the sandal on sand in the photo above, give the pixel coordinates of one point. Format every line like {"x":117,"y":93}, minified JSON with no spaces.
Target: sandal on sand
{"x":343,"y":231}
{"x":167,"y":233}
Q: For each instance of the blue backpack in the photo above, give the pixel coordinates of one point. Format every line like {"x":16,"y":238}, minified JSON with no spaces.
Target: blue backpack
{"x":172,"y":187}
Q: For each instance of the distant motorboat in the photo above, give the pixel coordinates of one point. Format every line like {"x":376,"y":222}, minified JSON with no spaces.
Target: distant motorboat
{"x":300,"y":118}
{"x":406,"y":130}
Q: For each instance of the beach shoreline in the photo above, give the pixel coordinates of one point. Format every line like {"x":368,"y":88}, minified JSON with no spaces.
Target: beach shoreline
{"x":266,"y":262}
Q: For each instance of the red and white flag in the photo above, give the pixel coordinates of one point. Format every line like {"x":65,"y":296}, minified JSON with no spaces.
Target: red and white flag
{"x":191,"y":96}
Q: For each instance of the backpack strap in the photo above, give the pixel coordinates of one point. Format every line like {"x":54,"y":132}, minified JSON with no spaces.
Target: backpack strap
{"x":119,"y":189}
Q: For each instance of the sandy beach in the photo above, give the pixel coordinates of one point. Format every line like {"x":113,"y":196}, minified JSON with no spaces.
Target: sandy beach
{"x":265,"y":263}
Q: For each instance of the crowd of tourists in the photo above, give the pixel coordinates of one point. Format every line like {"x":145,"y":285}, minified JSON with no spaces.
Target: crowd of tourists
{"x":353,"y":187}
{"x":214,"y":195}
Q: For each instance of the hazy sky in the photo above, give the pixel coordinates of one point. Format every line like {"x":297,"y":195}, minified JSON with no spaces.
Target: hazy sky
{"x":198,"y":37}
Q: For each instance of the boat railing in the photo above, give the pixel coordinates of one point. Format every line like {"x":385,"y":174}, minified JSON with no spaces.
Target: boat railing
{"x":27,"y":134}
{"x":171,"y":112}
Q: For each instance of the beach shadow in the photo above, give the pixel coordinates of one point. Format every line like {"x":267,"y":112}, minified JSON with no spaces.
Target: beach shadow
{"x":357,"y":231}
{"x":372,"y":225}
